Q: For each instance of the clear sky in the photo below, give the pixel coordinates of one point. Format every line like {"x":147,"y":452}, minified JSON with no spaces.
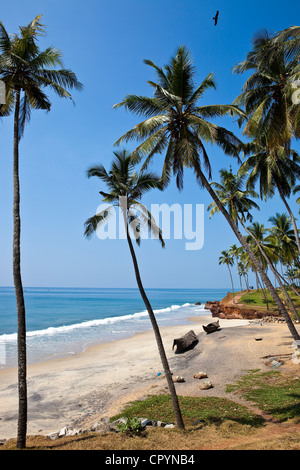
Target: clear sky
{"x":105,"y":44}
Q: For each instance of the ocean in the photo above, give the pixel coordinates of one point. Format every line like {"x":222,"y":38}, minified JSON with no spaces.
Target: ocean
{"x":65,"y":321}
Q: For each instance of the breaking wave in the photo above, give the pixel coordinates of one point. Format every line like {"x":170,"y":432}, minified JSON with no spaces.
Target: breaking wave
{"x":52,"y":331}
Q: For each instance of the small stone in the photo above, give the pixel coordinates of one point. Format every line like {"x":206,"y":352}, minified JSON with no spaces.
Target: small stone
{"x":169,"y":426}
{"x":72,"y":432}
{"x":103,"y":426}
{"x":120,"y":421}
{"x":200,"y":375}
{"x":158,"y":424}
{"x":206,"y":385}
{"x":177,"y":378}
{"x":84,"y":430}
{"x":145,"y":422}
{"x":105,"y":419}
{"x":53,"y":436}
{"x":63,"y":431}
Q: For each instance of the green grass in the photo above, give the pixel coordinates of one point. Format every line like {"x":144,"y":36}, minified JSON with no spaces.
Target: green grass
{"x":275,"y":394}
{"x":195,"y":410}
{"x":255,"y":299}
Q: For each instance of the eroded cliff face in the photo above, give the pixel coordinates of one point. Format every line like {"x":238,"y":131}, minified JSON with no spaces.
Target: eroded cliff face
{"x":227,"y":310}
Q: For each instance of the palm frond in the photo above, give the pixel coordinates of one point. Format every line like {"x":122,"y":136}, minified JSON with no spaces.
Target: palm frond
{"x":93,"y":223}
{"x":207,"y":83}
{"x":142,"y":105}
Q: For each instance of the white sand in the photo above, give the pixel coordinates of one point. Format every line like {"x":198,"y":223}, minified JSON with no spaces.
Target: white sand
{"x":75,"y":390}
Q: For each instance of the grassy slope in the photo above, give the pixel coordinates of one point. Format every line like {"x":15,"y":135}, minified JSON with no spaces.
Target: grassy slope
{"x":255,"y":298}
{"x":211,"y":422}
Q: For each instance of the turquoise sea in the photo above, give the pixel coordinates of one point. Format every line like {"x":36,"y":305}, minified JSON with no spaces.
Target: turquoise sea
{"x":65,"y":321}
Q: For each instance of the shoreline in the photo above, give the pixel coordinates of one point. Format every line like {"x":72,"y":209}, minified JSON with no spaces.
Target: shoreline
{"x":80,"y":388}
{"x":49,"y":343}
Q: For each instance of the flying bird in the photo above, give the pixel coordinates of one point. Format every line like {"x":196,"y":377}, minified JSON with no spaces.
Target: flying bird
{"x":216,"y":18}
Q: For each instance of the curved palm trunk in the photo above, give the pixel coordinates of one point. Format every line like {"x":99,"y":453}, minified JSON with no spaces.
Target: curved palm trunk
{"x":161,"y":349}
{"x":274,"y":271}
{"x":231,"y":285}
{"x":22,"y":361}
{"x":291,"y":216}
{"x":290,"y":285}
{"x":241,"y":285}
{"x":264,"y":293}
{"x":247,"y":286}
{"x":252,"y":256}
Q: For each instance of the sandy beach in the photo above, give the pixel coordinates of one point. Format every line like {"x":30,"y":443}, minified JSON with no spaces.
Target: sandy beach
{"x":77,"y":390}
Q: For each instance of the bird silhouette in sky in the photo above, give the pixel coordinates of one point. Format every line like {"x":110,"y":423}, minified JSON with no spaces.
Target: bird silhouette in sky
{"x":216,"y":18}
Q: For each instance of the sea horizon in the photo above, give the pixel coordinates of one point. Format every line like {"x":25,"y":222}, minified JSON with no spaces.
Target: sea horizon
{"x":64,"y":321}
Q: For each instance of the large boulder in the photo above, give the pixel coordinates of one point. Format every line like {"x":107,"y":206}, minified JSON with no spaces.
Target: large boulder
{"x":186,"y":342}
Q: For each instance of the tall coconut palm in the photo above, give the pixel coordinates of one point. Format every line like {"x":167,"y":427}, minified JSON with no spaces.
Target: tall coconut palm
{"x":237,"y":199}
{"x":260,"y":234}
{"x":177,"y":126}
{"x":26,"y":71}
{"x":233,"y":195}
{"x":282,"y":232}
{"x":228,"y":260}
{"x":272,"y":116}
{"x":289,"y":39}
{"x":273,"y":170}
{"x":234,"y":251}
{"x":282,"y":236}
{"x":126,"y":188}
{"x":267,"y":93}
{"x":243,"y":272}
{"x":262,"y":247}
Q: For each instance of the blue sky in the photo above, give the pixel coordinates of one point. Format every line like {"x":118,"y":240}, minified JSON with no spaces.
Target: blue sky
{"x":105,"y":44}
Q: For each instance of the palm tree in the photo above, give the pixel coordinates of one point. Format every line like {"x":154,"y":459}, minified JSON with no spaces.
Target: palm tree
{"x":234,"y":197}
{"x":263,"y":249}
{"x":232,"y":194}
{"x":234,"y":250}
{"x":273,"y":117}
{"x":260,"y":234}
{"x":273,"y":170}
{"x":267,"y":93}
{"x":290,"y":37}
{"x":126,"y":185}
{"x":176,"y":125}
{"x":283,"y":236}
{"x":26,"y":70}
{"x":290,"y":41}
{"x":243,"y":271}
{"x":238,"y":200}
{"x":227,"y":259}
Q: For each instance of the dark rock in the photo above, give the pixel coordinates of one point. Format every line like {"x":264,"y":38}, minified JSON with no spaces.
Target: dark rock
{"x":186,"y":342}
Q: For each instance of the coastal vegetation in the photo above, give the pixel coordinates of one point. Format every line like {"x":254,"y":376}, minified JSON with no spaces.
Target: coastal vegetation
{"x":126,"y":188}
{"x":214,"y":423}
{"x":196,"y":411}
{"x":275,"y":247}
{"x":274,"y":393}
{"x":26,"y":71}
{"x":177,"y":126}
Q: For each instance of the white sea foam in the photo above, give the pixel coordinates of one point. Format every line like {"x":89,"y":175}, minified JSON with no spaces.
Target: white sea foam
{"x":52,"y":331}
